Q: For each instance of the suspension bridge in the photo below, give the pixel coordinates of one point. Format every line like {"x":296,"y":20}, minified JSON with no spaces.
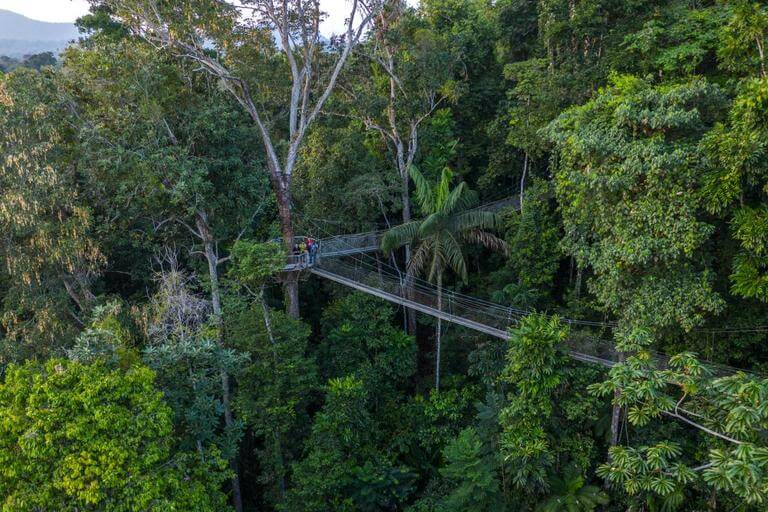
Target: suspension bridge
{"x":353,"y":260}
{"x":349,"y":261}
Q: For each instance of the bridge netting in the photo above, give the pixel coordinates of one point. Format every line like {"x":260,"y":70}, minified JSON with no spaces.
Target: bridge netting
{"x":480,"y":315}
{"x":349,"y":260}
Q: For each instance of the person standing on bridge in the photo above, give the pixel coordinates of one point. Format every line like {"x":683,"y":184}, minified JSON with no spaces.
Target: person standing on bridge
{"x":303,"y":252}
{"x":313,"y":247}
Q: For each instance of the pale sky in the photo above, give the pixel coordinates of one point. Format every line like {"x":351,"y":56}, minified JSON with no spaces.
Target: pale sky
{"x":70,"y":10}
{"x":47,"y":10}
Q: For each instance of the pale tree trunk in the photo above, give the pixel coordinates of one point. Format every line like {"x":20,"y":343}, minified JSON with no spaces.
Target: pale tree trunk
{"x":277,"y":435}
{"x":401,"y":133}
{"x":761,"y":52}
{"x":212,"y":257}
{"x":311,"y":86}
{"x":522,"y":180}
{"x":404,"y":159}
{"x":616,"y":413}
{"x":78,"y":287}
{"x":438,"y":332}
{"x":615,"y":421}
{"x":410,"y":313}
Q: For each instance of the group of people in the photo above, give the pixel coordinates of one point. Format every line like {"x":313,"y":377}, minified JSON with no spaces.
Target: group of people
{"x":307,"y":246}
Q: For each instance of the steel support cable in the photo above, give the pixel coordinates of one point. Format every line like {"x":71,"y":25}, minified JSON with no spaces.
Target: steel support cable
{"x":429,"y":297}
{"x":477,"y":302}
{"x":595,"y":347}
{"x":511,"y":200}
{"x":470,"y":305}
{"x":466,"y":300}
{"x":599,"y":347}
{"x":599,"y":351}
{"x":503,"y":310}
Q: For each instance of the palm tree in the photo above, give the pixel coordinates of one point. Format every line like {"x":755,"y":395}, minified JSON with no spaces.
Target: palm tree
{"x":450,"y":222}
{"x":570,"y":494}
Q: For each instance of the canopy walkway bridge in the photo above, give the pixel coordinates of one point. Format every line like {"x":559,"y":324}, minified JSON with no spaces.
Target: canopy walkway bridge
{"x":347,"y":260}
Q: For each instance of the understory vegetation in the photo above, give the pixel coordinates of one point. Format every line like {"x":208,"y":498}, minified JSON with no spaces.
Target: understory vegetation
{"x":154,"y":354}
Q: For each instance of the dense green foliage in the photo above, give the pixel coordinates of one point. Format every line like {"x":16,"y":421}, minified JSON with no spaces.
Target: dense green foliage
{"x":90,"y":437}
{"x":152,"y":354}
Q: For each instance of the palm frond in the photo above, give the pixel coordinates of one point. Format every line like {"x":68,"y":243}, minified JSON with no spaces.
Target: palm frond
{"x":419,"y":259}
{"x":432,"y":224}
{"x":443,"y":188}
{"x":454,"y":256}
{"x":424,"y":194}
{"x":399,"y":236}
{"x":475,"y":219}
{"x":459,"y":199}
{"x":487,"y":240}
{"x":438,"y":263}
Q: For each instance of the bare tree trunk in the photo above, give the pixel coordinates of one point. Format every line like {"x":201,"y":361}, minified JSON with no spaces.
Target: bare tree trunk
{"x":277,"y":435}
{"x":78,"y":288}
{"x":439,"y":330}
{"x":615,"y":419}
{"x":761,"y":51}
{"x":406,"y":199}
{"x":211,"y":255}
{"x":291,"y":282}
{"x":522,"y":180}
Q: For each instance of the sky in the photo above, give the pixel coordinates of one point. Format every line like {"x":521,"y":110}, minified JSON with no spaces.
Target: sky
{"x":47,"y":10}
{"x":70,"y":10}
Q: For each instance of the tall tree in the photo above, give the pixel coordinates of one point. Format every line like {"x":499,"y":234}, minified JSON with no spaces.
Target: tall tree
{"x":242,"y":48}
{"x":166,"y":146}
{"x":411,"y":75}
{"x":93,"y":437}
{"x":627,"y":216}
{"x":275,"y":387}
{"x":48,"y":243}
{"x":476,"y":485}
{"x":450,"y":222}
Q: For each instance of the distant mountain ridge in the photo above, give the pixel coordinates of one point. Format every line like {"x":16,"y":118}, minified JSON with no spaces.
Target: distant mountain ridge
{"x":20,"y":35}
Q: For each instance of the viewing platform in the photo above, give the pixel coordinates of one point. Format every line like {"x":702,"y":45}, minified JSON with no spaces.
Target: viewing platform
{"x":335,"y":246}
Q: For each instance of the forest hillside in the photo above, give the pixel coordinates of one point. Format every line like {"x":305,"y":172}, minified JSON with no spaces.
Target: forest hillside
{"x":21,"y":36}
{"x":554,"y":298}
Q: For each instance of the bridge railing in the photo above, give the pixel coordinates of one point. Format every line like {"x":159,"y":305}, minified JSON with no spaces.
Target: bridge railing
{"x":341,"y":245}
{"x":298,"y":260}
{"x":494,"y":319}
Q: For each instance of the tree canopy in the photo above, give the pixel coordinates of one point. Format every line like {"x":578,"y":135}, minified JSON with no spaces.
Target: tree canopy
{"x":564,"y":201}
